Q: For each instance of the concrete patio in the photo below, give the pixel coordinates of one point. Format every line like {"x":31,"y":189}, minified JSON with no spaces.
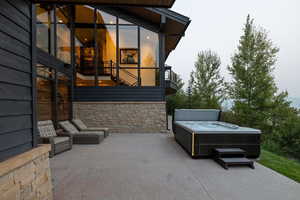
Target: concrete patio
{"x":154,"y":167}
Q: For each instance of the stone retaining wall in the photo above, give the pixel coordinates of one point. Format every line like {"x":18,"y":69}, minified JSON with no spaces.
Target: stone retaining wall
{"x":123,"y":117}
{"x":27,"y":176}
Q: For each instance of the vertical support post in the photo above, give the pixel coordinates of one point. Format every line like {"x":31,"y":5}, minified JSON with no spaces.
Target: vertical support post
{"x":73,"y":78}
{"x":55,"y":95}
{"x":54,"y":32}
{"x":139,"y":56}
{"x":33,"y":76}
{"x":95,"y":47}
{"x":162,"y":58}
{"x":118,"y":52}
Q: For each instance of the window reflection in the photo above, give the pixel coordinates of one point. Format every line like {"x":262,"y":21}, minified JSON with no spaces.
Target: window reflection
{"x":105,"y":18}
{"x":45,"y":99}
{"x":63,"y":34}
{"x":43,"y":24}
{"x":150,"y":77}
{"x":98,"y":61}
{"x":85,"y":56}
{"x":63,"y":97}
{"x":149,"y":48}
{"x":128,"y":44}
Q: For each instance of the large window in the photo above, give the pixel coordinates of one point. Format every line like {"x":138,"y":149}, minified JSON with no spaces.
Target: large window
{"x":109,"y":51}
{"x":53,"y":30}
{"x":53,"y":94}
{"x":45,"y":91}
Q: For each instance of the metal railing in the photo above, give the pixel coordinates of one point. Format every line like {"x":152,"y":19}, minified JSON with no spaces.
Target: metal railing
{"x":170,"y":75}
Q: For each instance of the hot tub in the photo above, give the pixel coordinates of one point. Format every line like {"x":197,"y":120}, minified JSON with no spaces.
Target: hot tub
{"x":199,"y":132}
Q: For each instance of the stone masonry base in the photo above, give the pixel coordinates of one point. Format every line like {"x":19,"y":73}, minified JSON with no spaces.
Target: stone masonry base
{"x":123,"y":117}
{"x":27,"y":176}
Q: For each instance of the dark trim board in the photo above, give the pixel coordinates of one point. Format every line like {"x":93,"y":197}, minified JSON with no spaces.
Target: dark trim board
{"x":16,"y":78}
{"x":90,"y":94}
{"x":48,"y":60}
{"x":140,"y":3}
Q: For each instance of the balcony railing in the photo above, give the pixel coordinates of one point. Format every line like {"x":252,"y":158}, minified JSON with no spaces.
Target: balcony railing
{"x":171,"y":79}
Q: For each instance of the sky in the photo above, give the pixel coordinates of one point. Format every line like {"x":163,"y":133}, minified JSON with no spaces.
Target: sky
{"x":217,"y":25}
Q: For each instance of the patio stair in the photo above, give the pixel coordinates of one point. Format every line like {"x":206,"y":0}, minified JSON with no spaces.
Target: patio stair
{"x":232,"y":157}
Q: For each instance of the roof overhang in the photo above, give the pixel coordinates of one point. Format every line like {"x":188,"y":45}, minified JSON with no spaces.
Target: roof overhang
{"x":144,"y":3}
{"x":160,"y":20}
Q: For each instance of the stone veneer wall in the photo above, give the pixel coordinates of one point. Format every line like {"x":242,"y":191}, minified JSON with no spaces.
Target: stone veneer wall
{"x":27,"y":176}
{"x":123,"y":117}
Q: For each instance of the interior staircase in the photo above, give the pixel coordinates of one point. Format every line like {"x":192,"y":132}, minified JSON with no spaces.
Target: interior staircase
{"x":232,"y":157}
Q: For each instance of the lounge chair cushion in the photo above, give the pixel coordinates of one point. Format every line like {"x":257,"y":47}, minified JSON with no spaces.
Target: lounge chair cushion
{"x":79,"y":124}
{"x":58,"y":140}
{"x":46,"y":129}
{"x":67,"y":126}
{"x":82,"y":127}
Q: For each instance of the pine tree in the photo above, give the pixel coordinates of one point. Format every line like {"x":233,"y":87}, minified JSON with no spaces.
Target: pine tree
{"x":208,"y":86}
{"x":253,"y":87}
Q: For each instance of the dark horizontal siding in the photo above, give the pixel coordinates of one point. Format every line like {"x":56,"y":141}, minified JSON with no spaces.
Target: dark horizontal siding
{"x":15,"y":77}
{"x":15,"y":123}
{"x":15,"y":150}
{"x":16,"y":111}
{"x":9,"y":108}
{"x":22,"y":6}
{"x":14,"y":92}
{"x":13,"y":29}
{"x":13,"y":45}
{"x":15,"y":138}
{"x":17,"y":17}
{"x":118,"y":94}
{"x":14,"y":61}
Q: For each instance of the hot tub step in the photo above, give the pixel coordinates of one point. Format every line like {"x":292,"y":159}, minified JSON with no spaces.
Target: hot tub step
{"x":226,"y":162}
{"x":229,"y":152}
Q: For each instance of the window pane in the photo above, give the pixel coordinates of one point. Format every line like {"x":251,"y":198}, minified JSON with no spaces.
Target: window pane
{"x":63,"y":95}
{"x":42,"y":37}
{"x":45,"y":99}
{"x":42,"y":14}
{"x":84,"y":14}
{"x":106,"y":57}
{"x":128,"y":43}
{"x":149,"y":48}
{"x":63,"y":34}
{"x":104,"y":18}
{"x":150,"y":77}
{"x":122,"y":21}
{"x":45,"y":72}
{"x":128,"y":77}
{"x":85,"y":56}
{"x":43,"y":22}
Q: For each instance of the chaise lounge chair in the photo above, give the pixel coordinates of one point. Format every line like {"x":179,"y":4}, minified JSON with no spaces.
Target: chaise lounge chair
{"x":60,"y":142}
{"x":82,"y":127}
{"x":82,"y":137}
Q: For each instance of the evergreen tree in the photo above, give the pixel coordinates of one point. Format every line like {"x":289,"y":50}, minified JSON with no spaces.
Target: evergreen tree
{"x":208,"y":86}
{"x":253,"y":87}
{"x":177,"y":100}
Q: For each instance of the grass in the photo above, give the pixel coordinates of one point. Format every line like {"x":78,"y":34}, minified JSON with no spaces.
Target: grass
{"x":283,"y":165}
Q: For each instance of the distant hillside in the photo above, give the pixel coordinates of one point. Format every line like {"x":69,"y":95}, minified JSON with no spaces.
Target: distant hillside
{"x":227,"y":105}
{"x":295,"y":102}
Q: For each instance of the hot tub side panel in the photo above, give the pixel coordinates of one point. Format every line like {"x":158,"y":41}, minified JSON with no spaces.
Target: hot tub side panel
{"x":184,"y":138}
{"x":205,"y":143}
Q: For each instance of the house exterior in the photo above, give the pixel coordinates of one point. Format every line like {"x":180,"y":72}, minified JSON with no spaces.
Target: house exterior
{"x":102,"y":61}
